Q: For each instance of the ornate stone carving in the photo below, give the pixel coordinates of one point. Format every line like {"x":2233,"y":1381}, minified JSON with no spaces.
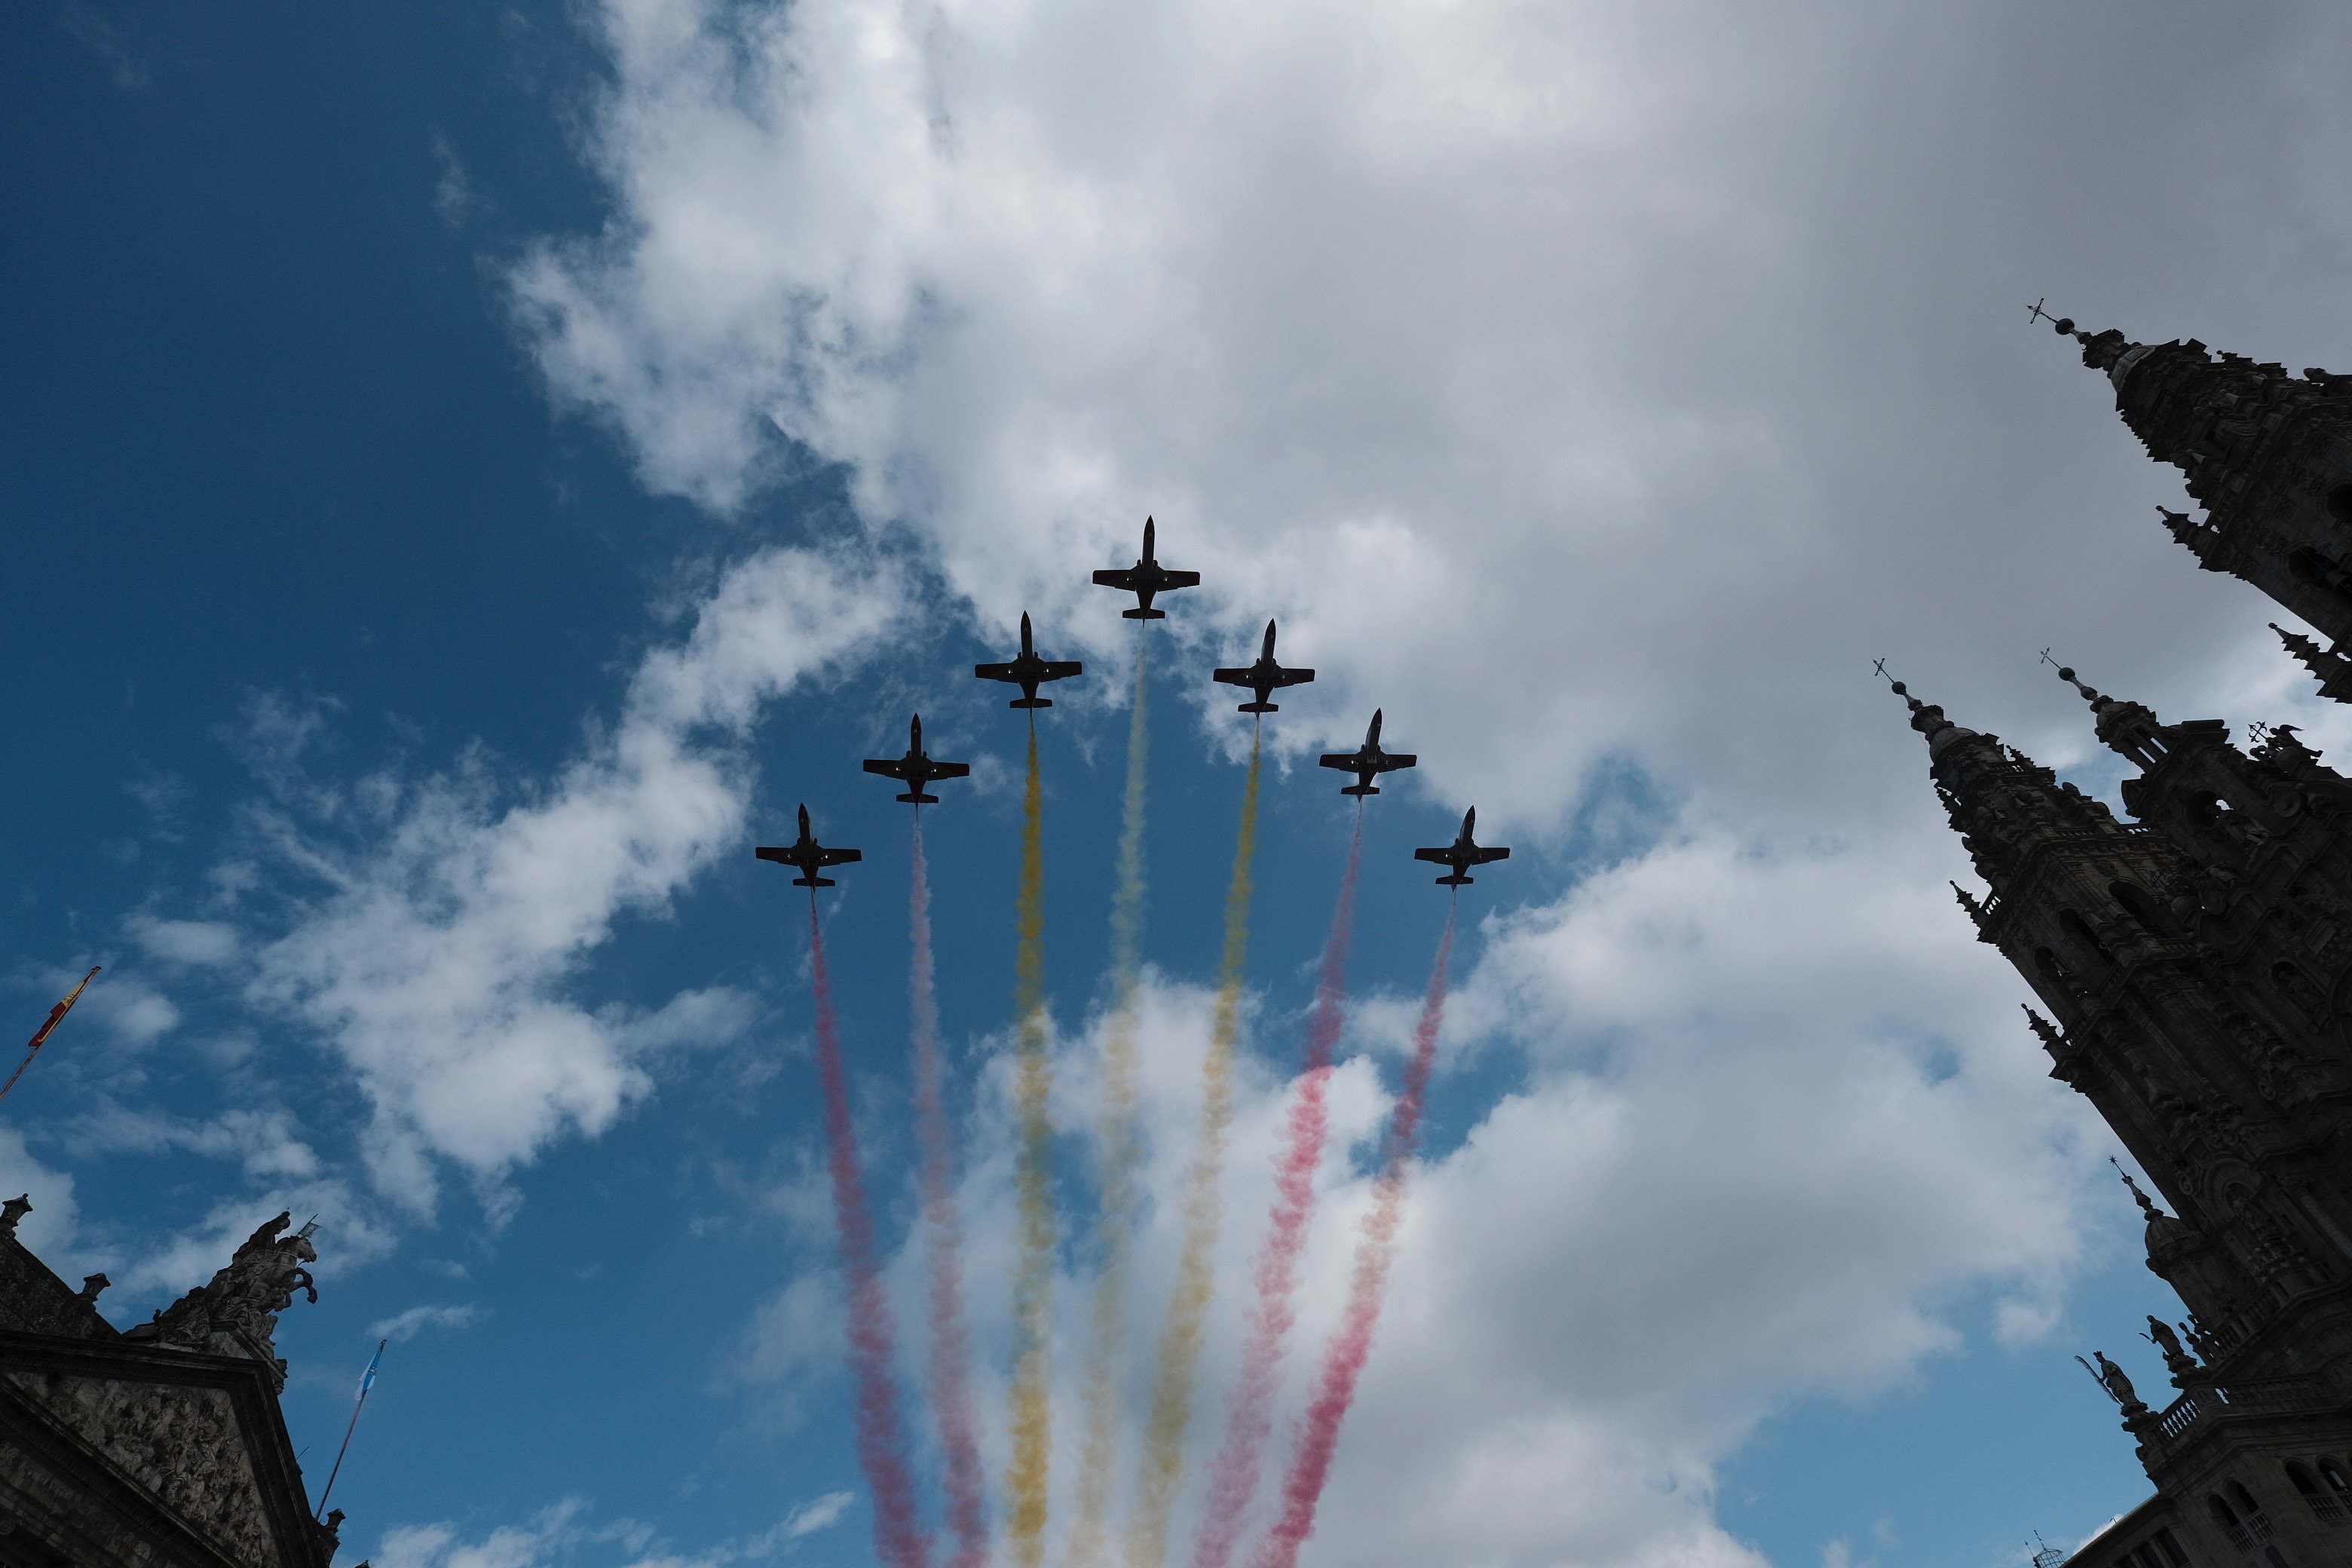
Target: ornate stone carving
{"x":182,"y":1443}
{"x":237,"y":1313}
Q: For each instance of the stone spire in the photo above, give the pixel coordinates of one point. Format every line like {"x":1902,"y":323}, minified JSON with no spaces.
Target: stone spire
{"x":2265,"y":453}
{"x":2334,"y":670}
{"x":2003,"y":803}
{"x":2129,"y":729}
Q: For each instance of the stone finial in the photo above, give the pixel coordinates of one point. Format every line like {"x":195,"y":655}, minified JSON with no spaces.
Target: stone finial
{"x":12,"y":1211}
{"x":91,"y":1284}
{"x":2147,"y":1204}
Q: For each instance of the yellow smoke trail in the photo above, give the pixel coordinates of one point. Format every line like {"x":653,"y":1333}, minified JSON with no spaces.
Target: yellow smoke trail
{"x":1032,"y":1433}
{"x":1114,"y":1223}
{"x":1196,"y":1282}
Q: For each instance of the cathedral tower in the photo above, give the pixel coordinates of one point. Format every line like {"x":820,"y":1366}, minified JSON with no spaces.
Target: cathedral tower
{"x":2190,"y":961}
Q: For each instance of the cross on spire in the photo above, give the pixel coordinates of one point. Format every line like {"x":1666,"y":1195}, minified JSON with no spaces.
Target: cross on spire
{"x":2039,"y":314}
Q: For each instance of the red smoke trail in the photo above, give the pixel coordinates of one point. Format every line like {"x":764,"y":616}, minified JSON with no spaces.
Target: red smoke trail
{"x":899,"y":1537}
{"x":1351,"y":1346}
{"x":1232,"y":1476}
{"x":951,"y":1380}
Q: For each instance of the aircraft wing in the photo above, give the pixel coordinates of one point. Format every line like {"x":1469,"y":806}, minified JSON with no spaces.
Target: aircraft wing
{"x":838,"y":856}
{"x":1343,"y":761}
{"x":995,"y":672}
{"x":1171,"y":579}
{"x":1232,"y":677}
{"x":890,"y":768}
{"x":1480,"y":856}
{"x":961,"y":770}
{"x":1441,"y":856}
{"x":1122,"y":577}
{"x":1392,"y":760}
{"x":1293,"y":677}
{"x":776,"y":852}
{"x":1062,"y":669}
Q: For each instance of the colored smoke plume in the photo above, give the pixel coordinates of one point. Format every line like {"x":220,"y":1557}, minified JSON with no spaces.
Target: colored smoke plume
{"x":898,"y":1538}
{"x":1121,"y":1150}
{"x":1352,"y":1344}
{"x":1032,"y":1434}
{"x":1232,"y":1476}
{"x":1178,"y":1359}
{"x":950,"y":1369}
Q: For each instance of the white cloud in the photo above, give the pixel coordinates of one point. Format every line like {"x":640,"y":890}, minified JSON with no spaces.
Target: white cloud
{"x":1576,"y":381}
{"x":402,"y":1327}
{"x":198,"y":943}
{"x":440,"y":956}
{"x":818,"y":1513}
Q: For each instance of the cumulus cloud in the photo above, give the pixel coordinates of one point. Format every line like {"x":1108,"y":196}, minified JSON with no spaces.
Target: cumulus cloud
{"x":446,"y":925}
{"x":1637,"y":372}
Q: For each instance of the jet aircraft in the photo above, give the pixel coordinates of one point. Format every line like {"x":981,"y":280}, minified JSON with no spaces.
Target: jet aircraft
{"x":915,"y":770}
{"x":1026,"y":670}
{"x":1368,"y":762}
{"x":1144,"y":579}
{"x":1462,"y":854}
{"x":1264,"y":677}
{"x":808,"y":855}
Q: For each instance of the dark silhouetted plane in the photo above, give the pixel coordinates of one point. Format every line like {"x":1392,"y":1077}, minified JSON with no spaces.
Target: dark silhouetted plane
{"x":915,"y":770}
{"x":1145,"y":578}
{"x":1462,"y":854}
{"x":1025,"y":670}
{"x":808,"y":855}
{"x":1264,"y":677}
{"x":1368,"y":762}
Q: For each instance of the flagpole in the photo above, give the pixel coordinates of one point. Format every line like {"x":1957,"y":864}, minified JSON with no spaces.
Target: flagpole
{"x":367,"y":1384}
{"x":41,"y":1035}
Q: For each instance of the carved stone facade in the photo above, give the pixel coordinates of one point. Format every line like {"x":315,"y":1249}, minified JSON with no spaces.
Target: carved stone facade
{"x":160,"y":1447}
{"x":2192,"y":966}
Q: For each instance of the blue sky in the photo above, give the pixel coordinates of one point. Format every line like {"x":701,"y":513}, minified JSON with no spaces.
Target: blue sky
{"x":445,"y":444}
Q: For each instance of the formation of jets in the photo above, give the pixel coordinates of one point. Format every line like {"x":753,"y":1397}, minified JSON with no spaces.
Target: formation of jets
{"x":1028,"y":670}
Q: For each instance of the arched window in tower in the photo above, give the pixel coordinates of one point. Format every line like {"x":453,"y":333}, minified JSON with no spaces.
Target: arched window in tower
{"x":2321,"y":570}
{"x":2321,"y":1502}
{"x":2339,"y":504}
{"x":2250,"y":1512}
{"x":2057,"y":979}
{"x":2225,"y":1519}
{"x":2086,"y":941}
{"x":2152,"y":917}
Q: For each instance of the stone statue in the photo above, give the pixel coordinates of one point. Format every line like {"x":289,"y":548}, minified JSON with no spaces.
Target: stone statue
{"x":13,"y":1210}
{"x":2176,"y":1361}
{"x":237,"y":1313}
{"x":2118,"y":1385}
